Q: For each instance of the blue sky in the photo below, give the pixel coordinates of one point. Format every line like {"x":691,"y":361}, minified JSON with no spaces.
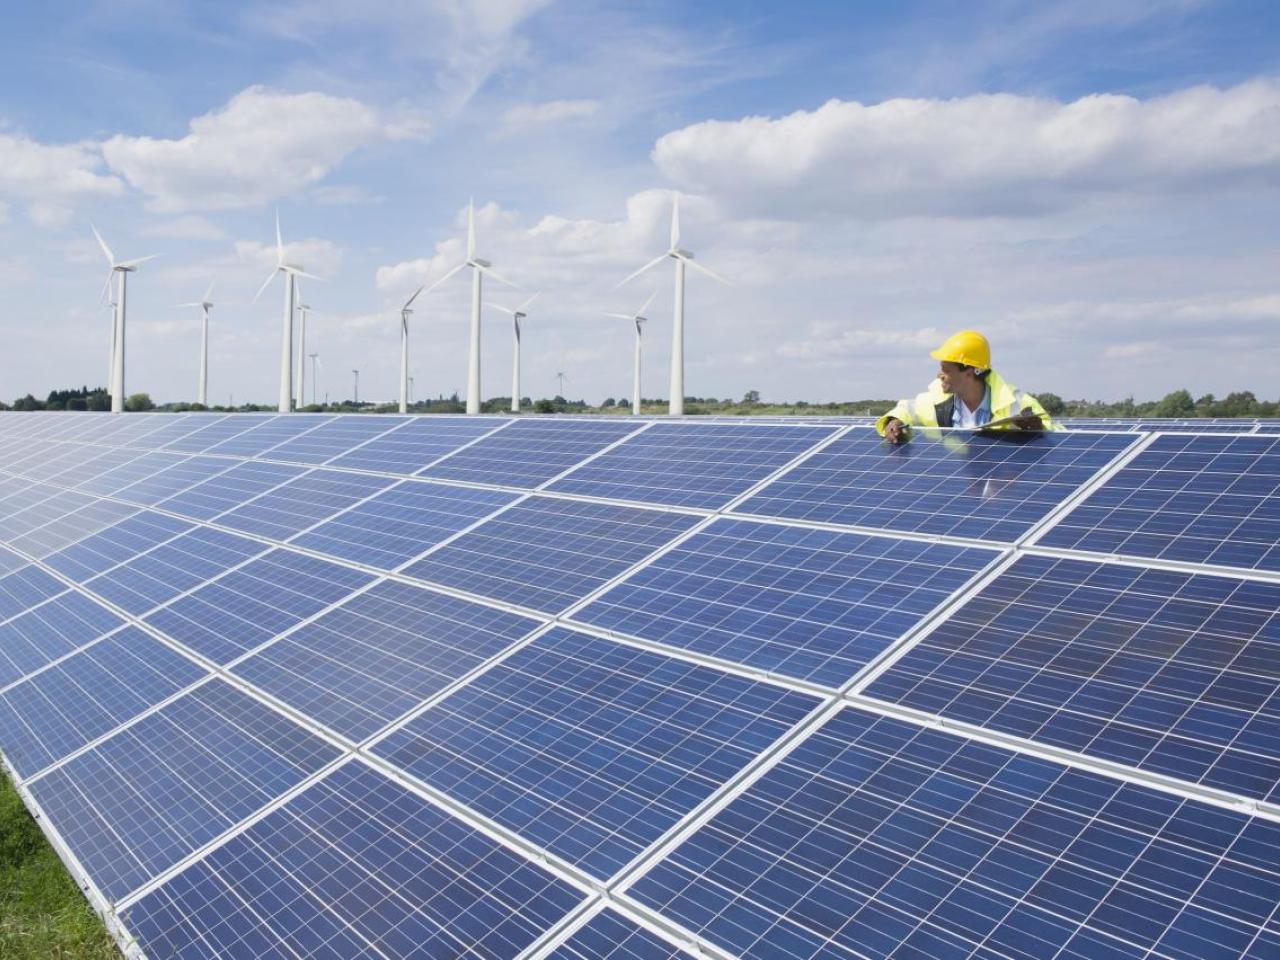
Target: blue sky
{"x":1093,"y":183}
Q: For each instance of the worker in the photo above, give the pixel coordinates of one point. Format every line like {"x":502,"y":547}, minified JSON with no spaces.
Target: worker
{"x":967,"y":393}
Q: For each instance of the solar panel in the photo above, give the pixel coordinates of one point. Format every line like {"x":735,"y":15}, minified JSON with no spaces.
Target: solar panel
{"x":529,"y":452}
{"x":810,"y":604}
{"x":546,"y":553}
{"x":983,"y":487}
{"x":1163,"y":671}
{"x":1199,"y":499}
{"x":401,"y":522}
{"x":690,"y":465}
{"x":371,"y":660}
{"x":355,"y":866}
{"x":875,"y":838}
{"x":590,"y":749}
{"x":310,"y":704}
{"x":154,"y":792}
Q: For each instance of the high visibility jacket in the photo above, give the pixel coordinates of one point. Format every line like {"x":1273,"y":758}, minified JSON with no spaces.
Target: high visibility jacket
{"x":935,"y":408}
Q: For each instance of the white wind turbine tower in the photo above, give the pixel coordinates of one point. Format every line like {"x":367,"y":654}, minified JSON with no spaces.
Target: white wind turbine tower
{"x":111,"y":357}
{"x":405,"y":311}
{"x":517,"y":315}
{"x":479,"y":267}
{"x":124,"y":268}
{"x":682,"y":258}
{"x":290,"y":271}
{"x":205,"y":303}
{"x":303,"y":310}
{"x":638,"y":318}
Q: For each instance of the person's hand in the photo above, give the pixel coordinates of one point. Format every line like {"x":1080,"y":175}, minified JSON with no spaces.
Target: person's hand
{"x":1028,"y":419}
{"x":895,"y":431}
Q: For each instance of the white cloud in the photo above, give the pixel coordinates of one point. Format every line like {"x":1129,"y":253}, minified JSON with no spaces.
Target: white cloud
{"x":260,"y":146}
{"x":526,"y":115}
{"x":320,"y":257}
{"x":182,"y":228}
{"x":50,"y":178}
{"x":980,"y":155}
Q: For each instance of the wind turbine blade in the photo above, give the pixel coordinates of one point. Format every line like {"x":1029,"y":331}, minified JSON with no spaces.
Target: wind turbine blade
{"x":208,"y":294}
{"x":710,"y":273}
{"x":294,"y":271}
{"x":675,"y":221}
{"x":106,"y":251}
{"x":620,"y":316}
{"x":648,"y":266}
{"x":444,"y":278}
{"x":525,"y":306}
{"x":134,"y":263}
{"x":193,"y":304}
{"x":279,"y":239}
{"x":471,"y":229}
{"x":645,"y":305}
{"x":408,"y":303}
{"x":106,"y":287}
{"x":498,"y":306}
{"x":489,"y":272}
{"x":271,"y":276}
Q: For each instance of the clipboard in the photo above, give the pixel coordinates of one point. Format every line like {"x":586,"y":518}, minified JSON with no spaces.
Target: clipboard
{"x":1009,"y":423}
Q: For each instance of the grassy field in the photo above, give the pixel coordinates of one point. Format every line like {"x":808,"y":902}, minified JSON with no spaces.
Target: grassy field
{"x":43,"y":915}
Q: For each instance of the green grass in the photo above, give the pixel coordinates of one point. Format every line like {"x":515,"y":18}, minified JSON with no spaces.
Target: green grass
{"x":43,"y":914}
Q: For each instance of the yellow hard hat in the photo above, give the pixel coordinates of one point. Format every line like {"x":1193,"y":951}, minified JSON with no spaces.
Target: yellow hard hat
{"x":968,"y":347}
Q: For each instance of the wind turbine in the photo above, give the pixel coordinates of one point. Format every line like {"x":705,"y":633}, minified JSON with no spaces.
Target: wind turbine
{"x":124,"y":268}
{"x":111,"y":357}
{"x":562,"y":378}
{"x":479,"y":267}
{"x":404,"y":350}
{"x":517,"y":315}
{"x":204,"y":303}
{"x":303,"y":310}
{"x":683,"y":258}
{"x":638,"y":318}
{"x":315,"y":377}
{"x":290,"y":271}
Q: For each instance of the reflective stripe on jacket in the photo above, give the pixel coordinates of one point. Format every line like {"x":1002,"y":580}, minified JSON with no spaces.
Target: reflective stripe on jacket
{"x":935,"y":408}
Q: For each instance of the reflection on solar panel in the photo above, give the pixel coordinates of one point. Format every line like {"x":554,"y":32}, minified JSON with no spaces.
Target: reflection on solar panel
{"x":662,"y":735}
{"x":272,"y":694}
{"x":982,"y":487}
{"x":809,"y":604}
{"x":1194,"y":498}
{"x":686,"y":465}
{"x":1163,"y":671}
{"x":546,"y":553}
{"x":530,"y":452}
{"x":355,"y":866}
{"x":876,"y":838}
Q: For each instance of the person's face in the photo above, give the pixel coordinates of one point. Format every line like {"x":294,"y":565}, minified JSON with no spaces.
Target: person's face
{"x":954,"y":376}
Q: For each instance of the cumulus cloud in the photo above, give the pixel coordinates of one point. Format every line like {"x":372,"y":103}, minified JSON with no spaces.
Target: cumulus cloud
{"x":49,"y":179}
{"x":980,"y":155}
{"x":259,"y":146}
{"x":526,"y":115}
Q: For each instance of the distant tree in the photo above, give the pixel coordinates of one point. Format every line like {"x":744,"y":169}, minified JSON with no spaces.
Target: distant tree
{"x":1238,"y":404}
{"x":138,"y":402}
{"x":77,"y":403}
{"x":751,"y":396}
{"x":1205,"y":405}
{"x":27,"y":403}
{"x":544,"y":406}
{"x":1175,"y":404}
{"x":1053,"y":404}
{"x":608,"y":402}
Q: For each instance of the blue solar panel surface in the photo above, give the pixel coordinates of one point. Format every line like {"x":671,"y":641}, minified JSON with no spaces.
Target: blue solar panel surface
{"x":590,"y":749}
{"x":1200,"y":499}
{"x":811,"y":604}
{"x":385,"y":759}
{"x":981,"y":487}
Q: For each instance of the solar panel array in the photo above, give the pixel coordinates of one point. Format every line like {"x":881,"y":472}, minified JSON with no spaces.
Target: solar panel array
{"x":582,"y":688}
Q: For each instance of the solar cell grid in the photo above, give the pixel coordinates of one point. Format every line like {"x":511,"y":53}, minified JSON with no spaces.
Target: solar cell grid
{"x":981,"y":487}
{"x":45,"y":509}
{"x":334,"y":438}
{"x":590,"y":749}
{"x":48,"y":716}
{"x":152,"y":793}
{"x":263,"y":436}
{"x":401,"y":522}
{"x":187,"y":472}
{"x":1167,"y":672}
{"x":302,"y":502}
{"x":172,"y":568}
{"x":226,"y":491}
{"x":355,"y":866}
{"x":170,"y":429}
{"x":71,"y":462}
{"x":380,"y":654}
{"x":547,"y":553}
{"x":1197,"y":499}
{"x":105,"y":483}
{"x":690,"y":465}
{"x":116,"y":544}
{"x":611,"y":936}
{"x":876,"y":839}
{"x":23,"y":588}
{"x":214,"y":430}
{"x":423,"y":440}
{"x":226,"y":617}
{"x":527,"y":453}
{"x":50,"y":630}
{"x":810,"y":604}
{"x":71,"y":528}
